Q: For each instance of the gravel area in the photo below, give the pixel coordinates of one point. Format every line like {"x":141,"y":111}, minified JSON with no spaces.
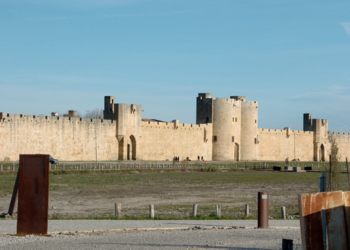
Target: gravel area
{"x":154,"y":234}
{"x":9,"y":226}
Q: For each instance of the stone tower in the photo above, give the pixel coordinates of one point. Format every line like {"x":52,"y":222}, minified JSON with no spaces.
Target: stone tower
{"x":234,"y":126}
{"x":320,"y":129}
{"x":128,"y":119}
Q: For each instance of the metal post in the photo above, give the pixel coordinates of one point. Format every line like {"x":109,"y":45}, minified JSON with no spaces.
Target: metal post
{"x":347,"y":169}
{"x":218,"y":211}
{"x":283,"y":213}
{"x":263,"y":210}
{"x":194,"y":211}
{"x":14,"y":196}
{"x":323,"y":182}
{"x":151,"y":211}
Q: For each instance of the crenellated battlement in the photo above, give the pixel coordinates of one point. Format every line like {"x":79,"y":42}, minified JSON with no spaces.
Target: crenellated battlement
{"x":252,"y":103}
{"x":7,"y":117}
{"x":338,"y":133}
{"x":172,"y":125}
{"x":283,"y":131}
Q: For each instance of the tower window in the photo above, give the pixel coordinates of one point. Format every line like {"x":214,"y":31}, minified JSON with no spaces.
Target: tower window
{"x":215,"y":138}
{"x":233,"y":139}
{"x":236,"y":119}
{"x":255,"y":120}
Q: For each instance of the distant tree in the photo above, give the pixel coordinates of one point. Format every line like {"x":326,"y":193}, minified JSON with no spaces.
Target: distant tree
{"x":94,"y":114}
{"x":335,"y":158}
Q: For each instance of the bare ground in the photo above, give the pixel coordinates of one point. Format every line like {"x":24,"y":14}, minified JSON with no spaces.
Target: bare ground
{"x":83,"y":195}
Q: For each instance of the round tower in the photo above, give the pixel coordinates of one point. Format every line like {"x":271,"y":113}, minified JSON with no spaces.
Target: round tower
{"x":249,"y":131}
{"x":226,"y":128}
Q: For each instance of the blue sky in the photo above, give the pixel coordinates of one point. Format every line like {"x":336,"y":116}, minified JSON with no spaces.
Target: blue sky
{"x":293,"y":57}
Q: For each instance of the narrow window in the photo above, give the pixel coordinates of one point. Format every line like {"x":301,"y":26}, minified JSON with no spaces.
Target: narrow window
{"x":233,"y":119}
{"x":255,"y":121}
{"x":236,"y":119}
{"x":215,"y":138}
{"x":255,"y":140}
{"x":233,"y":139}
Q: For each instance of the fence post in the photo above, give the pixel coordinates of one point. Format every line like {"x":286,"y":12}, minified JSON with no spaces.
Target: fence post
{"x":117,"y":210}
{"x":151,"y":211}
{"x":194,"y":211}
{"x":246,"y":210}
{"x":283,"y":213}
{"x":218,"y":211}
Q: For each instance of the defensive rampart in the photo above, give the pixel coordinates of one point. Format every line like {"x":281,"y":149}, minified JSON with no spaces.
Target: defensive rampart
{"x":161,"y":141}
{"x":277,"y":144}
{"x":343,"y":142}
{"x":66,"y":138}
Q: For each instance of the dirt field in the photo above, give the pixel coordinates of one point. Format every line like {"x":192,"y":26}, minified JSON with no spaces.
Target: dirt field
{"x":93,"y":194}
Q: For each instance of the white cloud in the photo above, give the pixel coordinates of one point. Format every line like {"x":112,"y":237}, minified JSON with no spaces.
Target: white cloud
{"x":346,"y":26}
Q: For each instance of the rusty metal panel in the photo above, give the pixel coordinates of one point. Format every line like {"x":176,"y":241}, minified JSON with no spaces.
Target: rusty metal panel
{"x":310,"y":207}
{"x":33,"y":194}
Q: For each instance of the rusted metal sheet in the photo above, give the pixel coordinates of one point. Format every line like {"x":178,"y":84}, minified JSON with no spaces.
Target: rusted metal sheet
{"x":33,"y":194}
{"x":334,"y":206}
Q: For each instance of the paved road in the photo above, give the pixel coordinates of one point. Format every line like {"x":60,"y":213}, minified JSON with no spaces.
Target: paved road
{"x":153,"y":234}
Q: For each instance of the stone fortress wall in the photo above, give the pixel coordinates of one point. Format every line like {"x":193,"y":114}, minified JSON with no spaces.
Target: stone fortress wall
{"x":161,"y":141}
{"x":68,"y":138}
{"x":343,"y":141}
{"x":226,"y":129}
{"x":280,"y":144}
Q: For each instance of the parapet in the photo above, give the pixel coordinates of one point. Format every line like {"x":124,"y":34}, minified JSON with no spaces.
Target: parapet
{"x":172,"y":125}
{"x":238,"y":98}
{"x":3,"y":115}
{"x":204,"y":95}
{"x":6,"y":117}
{"x":71,"y":113}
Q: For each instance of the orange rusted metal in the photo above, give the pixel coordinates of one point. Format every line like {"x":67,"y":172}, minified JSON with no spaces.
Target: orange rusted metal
{"x":33,"y":194}
{"x":337,"y":216}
